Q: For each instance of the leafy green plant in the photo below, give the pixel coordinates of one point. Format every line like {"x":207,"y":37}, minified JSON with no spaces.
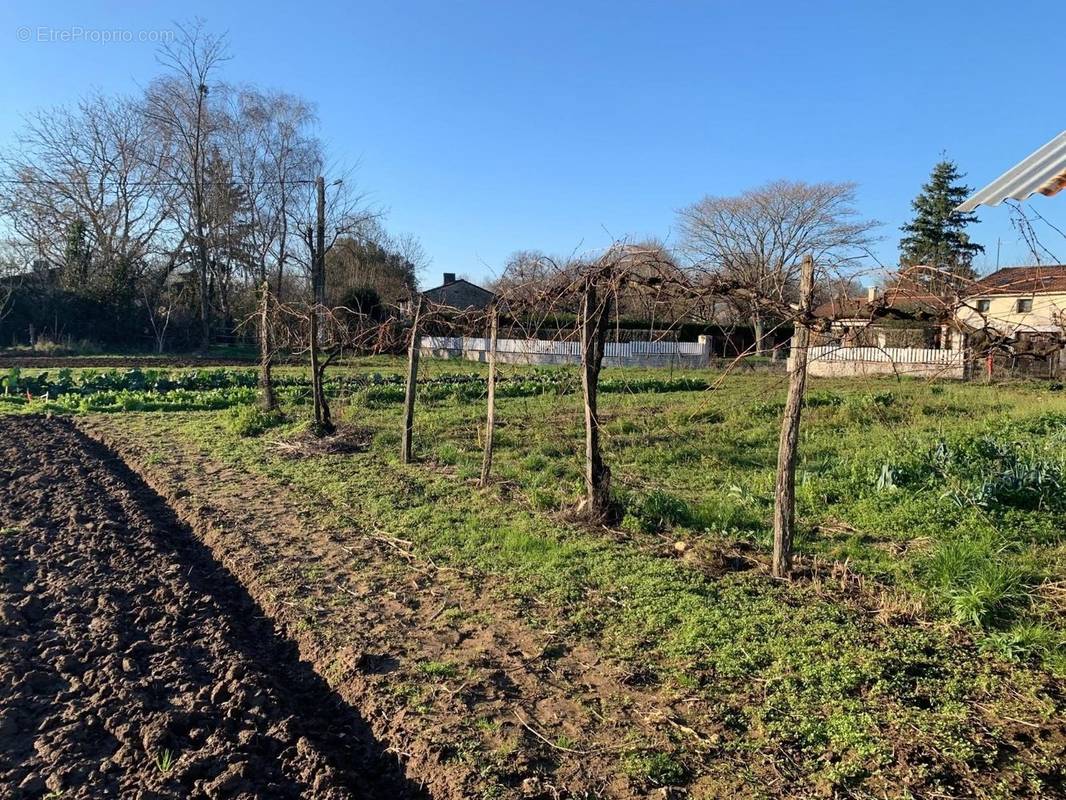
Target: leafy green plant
{"x":164,"y":761}
{"x":654,"y":767}
{"x":660,"y":511}
{"x":437,"y":669}
{"x":251,"y":420}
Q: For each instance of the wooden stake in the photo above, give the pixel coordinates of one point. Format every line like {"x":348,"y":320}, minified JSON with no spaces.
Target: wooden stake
{"x":412,"y":383}
{"x":266,"y":357}
{"x":785,"y":493}
{"x":490,"y":414}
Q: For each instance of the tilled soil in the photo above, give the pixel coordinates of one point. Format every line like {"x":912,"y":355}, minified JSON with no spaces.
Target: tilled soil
{"x":375,"y":618}
{"x":133,"y":665}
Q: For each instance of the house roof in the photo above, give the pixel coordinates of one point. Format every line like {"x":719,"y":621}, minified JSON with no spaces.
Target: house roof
{"x":1043,"y":171}
{"x":459,"y":291}
{"x":1024,"y":280}
{"x":895,"y":303}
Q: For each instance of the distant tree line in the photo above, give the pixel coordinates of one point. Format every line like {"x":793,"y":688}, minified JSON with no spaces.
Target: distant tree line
{"x":154,"y":219}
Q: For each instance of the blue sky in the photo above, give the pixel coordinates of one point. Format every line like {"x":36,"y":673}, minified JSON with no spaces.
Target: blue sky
{"x":486,"y":127}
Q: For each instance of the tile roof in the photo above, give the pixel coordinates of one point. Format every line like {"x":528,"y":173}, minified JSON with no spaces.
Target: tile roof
{"x":1024,"y":280}
{"x":899,"y":303}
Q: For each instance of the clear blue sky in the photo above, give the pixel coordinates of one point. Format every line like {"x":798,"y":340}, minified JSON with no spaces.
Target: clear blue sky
{"x":486,"y":127}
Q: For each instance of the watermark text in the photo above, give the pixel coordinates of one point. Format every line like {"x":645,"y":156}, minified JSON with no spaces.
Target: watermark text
{"x":77,"y":33}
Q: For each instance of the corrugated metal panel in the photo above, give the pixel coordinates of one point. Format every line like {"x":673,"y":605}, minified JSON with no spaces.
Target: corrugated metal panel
{"x":1044,"y":171}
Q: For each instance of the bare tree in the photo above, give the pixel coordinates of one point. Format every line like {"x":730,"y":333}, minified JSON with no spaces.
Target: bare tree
{"x":160,"y":303}
{"x":758,"y":238}
{"x":525,"y":277}
{"x":97,"y":168}
{"x":273,"y":156}
{"x":346,"y":213}
{"x":10,"y":277}
{"x":178,"y":106}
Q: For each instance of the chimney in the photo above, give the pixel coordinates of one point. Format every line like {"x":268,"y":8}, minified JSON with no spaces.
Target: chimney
{"x":449,"y":277}
{"x":871,"y":294}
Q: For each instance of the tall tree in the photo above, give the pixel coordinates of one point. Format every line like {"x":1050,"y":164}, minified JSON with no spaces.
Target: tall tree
{"x":178,"y":107}
{"x":268,"y":137}
{"x":758,"y":239}
{"x":94,"y":171}
{"x":936,"y":237}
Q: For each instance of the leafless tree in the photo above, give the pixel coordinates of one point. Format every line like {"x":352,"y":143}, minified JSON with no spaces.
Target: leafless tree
{"x":178,"y":106}
{"x":272,"y":155}
{"x":525,"y":276}
{"x":160,"y":307}
{"x":759,"y":238}
{"x":96,"y":165}
{"x":347,"y":214}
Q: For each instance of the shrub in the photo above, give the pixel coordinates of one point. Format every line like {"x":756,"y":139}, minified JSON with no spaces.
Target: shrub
{"x":661,"y":511}
{"x":251,"y":420}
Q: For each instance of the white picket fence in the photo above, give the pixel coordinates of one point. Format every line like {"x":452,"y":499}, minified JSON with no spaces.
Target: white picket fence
{"x":832,"y":360}
{"x":895,"y":355}
{"x":547,"y":351}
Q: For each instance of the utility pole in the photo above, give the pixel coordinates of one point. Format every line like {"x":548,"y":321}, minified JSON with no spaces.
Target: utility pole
{"x":319,"y":280}
{"x":785,"y":492}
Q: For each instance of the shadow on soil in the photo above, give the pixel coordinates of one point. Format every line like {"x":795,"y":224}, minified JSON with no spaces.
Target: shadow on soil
{"x":84,"y":521}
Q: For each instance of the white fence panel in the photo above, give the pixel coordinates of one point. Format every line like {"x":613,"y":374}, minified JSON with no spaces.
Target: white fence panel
{"x":896,"y":355}
{"x":832,"y":360}
{"x":637,"y":352}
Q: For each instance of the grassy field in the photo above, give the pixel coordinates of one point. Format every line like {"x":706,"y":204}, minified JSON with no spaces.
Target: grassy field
{"x":923,"y":633}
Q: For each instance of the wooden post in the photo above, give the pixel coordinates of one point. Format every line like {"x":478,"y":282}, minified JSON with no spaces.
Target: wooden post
{"x":412,"y":383}
{"x":319,"y":277}
{"x":785,"y":493}
{"x":266,"y":383}
{"x":594,"y":317}
{"x":490,"y":414}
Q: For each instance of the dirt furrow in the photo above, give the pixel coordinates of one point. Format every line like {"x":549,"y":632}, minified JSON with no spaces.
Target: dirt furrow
{"x":134,"y":665}
{"x":475,"y":700}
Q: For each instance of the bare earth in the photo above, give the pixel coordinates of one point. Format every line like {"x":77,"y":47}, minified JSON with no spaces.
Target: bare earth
{"x":133,"y":665}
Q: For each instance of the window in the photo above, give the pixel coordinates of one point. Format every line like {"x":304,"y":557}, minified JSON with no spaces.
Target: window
{"x":1025,"y":306}
{"x":982,"y":306}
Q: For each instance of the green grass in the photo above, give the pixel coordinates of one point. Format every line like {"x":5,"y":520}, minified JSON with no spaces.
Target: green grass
{"x":943,"y":498}
{"x":251,"y":420}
